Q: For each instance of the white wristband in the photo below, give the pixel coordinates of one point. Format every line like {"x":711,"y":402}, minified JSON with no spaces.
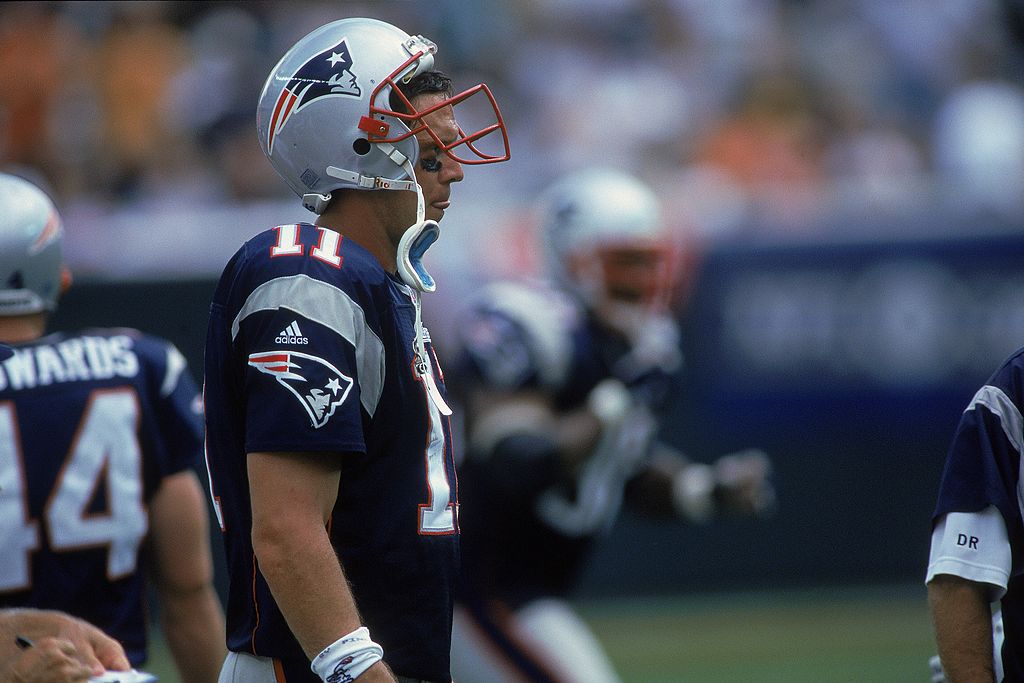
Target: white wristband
{"x":693,"y":492}
{"x":609,"y":401}
{"x":348,"y":657}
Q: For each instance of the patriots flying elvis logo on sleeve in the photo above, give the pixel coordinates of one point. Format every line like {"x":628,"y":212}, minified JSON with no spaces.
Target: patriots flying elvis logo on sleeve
{"x":319,"y":386}
{"x":328,"y":73}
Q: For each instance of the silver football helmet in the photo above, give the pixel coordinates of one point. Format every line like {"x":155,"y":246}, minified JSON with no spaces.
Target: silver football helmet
{"x":31,"y":234}
{"x":326,"y":122}
{"x":607,"y":245}
{"x":604,"y":239}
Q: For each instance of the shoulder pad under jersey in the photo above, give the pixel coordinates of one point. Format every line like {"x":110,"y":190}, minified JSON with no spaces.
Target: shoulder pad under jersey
{"x":520,"y":334}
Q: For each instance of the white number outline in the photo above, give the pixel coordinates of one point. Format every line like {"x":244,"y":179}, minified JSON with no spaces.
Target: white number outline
{"x":327,"y":250}
{"x":105,"y":446}
{"x":435,"y":518}
{"x":19,"y":540}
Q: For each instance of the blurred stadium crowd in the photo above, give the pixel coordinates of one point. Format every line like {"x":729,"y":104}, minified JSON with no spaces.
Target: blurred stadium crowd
{"x":759,"y":116}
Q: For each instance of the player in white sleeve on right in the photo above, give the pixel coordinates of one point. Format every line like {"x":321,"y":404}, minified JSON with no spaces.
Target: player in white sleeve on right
{"x":978,"y":536}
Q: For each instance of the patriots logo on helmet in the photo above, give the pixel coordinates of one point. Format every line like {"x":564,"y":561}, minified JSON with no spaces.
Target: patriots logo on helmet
{"x":48,"y":235}
{"x":321,"y":76}
{"x":564,"y":212}
{"x":319,"y":386}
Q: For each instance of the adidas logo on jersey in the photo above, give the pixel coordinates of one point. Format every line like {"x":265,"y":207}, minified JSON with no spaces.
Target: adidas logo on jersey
{"x":291,"y":335}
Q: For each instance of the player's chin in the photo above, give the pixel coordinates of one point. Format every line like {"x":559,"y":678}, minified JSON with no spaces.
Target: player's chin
{"x":434,"y":214}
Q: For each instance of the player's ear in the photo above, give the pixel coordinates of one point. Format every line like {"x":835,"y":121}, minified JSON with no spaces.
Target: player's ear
{"x":65,"y":279}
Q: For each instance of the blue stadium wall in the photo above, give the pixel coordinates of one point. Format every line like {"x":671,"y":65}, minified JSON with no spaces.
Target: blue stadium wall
{"x":848,"y":362}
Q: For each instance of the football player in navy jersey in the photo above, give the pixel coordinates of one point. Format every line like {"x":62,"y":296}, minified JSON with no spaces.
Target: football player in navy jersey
{"x":328,"y":430}
{"x":975,"y":564}
{"x":563,"y":384}
{"x":100,"y":432}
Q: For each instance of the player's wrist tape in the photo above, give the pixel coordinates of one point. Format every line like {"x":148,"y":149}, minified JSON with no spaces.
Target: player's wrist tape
{"x":610,"y":400}
{"x":348,"y":657}
{"x":693,"y":492}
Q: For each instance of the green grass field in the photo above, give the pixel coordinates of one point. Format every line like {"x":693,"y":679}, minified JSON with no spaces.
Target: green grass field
{"x":828,"y":635}
{"x":847,"y":635}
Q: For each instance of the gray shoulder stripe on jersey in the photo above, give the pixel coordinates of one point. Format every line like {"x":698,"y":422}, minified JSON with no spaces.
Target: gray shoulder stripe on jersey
{"x":333,"y":308}
{"x":1002,"y":407}
{"x":175,"y":366}
{"x":542,"y":316}
{"x":996,"y":400}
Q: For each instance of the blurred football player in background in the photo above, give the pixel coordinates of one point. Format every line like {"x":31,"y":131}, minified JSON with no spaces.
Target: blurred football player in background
{"x":329,"y":440}
{"x":563,"y":381}
{"x":47,"y":646}
{"x":99,"y":434}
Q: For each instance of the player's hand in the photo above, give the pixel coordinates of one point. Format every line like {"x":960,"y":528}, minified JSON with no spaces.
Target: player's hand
{"x":653,"y":340}
{"x":378,"y":673}
{"x":93,"y":647}
{"x":743,"y":483}
{"x":49,"y":660}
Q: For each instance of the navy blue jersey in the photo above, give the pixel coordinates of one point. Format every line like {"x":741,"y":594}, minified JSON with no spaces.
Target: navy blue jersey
{"x":983,"y":469}
{"x":519,"y":337}
{"x":310,"y":348}
{"x":90,"y":424}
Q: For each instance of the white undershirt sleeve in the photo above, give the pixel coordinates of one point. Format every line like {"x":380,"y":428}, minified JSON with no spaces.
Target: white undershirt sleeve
{"x":973,"y":546}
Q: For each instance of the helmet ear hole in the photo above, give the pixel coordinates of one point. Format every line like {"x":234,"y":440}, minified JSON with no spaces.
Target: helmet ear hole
{"x":361,"y":146}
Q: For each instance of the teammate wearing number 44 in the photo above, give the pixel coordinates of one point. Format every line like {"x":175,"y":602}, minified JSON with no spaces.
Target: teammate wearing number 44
{"x":328,"y":432}
{"x":99,"y":434}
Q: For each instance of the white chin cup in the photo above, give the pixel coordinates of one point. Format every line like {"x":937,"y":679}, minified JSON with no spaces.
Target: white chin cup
{"x":414,"y":243}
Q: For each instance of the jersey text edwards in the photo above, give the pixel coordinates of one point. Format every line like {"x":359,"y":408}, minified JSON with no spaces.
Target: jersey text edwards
{"x":80,"y":358}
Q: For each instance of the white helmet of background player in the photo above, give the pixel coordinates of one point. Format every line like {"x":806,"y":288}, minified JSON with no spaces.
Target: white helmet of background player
{"x":325,"y":117}
{"x":606,"y":242}
{"x":31,"y":233}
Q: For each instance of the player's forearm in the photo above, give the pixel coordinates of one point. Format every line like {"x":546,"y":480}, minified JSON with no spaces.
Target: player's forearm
{"x":193,"y":626}
{"x":308,"y":585}
{"x":962,"y":619}
{"x":292,"y":496}
{"x":182,"y":570}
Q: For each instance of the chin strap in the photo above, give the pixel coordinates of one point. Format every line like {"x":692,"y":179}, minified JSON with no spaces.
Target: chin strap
{"x":421,"y":363}
{"x":415,"y":241}
{"x":375,"y":182}
{"x":317,"y":203}
{"x":411,"y":248}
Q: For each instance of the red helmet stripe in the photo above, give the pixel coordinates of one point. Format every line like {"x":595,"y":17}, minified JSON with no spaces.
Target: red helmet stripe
{"x":49,"y":233}
{"x":286,"y":96}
